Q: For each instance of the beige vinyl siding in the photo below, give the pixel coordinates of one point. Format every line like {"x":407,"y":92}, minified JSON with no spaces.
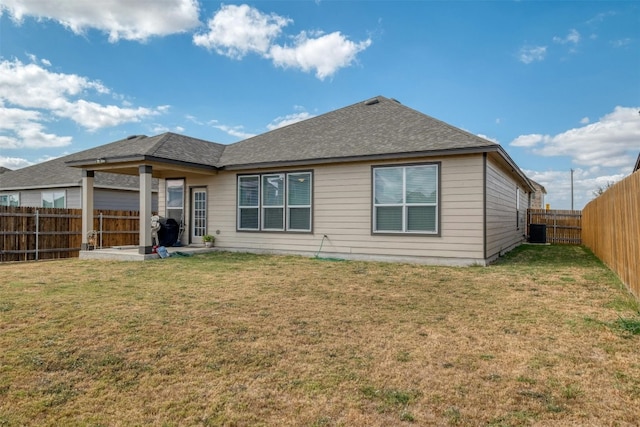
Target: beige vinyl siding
{"x":342,"y":211}
{"x":503,"y":230}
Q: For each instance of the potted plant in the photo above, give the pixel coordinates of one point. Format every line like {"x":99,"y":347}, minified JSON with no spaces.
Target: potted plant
{"x":208,"y":240}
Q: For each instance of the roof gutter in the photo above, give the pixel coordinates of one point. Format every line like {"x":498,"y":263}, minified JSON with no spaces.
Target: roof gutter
{"x":515,"y":168}
{"x":86,"y":163}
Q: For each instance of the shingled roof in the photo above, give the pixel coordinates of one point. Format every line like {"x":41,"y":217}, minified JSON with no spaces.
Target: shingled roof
{"x":3,"y":170}
{"x":55,"y":174}
{"x":377,"y":127}
{"x":165,"y":147}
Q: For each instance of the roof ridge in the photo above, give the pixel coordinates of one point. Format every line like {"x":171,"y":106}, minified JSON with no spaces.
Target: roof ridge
{"x":162,"y":139}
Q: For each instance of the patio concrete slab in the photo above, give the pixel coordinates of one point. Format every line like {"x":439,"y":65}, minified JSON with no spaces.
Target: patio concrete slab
{"x":130,"y":253}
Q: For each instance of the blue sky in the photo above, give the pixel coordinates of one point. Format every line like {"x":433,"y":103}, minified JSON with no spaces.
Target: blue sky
{"x":557,"y":84}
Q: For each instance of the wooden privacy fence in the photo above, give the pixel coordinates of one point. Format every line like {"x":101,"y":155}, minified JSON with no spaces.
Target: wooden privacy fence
{"x":28,"y":233}
{"x":563,"y":227}
{"x":612,"y":230}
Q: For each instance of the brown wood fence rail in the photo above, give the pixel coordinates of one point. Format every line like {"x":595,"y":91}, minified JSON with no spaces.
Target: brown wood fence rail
{"x":612,"y":230}
{"x":28,"y":233}
{"x":563,"y":227}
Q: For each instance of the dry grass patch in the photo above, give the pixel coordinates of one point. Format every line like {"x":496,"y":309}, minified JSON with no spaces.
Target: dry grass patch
{"x":546,"y":336}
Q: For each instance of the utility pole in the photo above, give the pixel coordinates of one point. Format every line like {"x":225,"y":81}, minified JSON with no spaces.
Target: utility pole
{"x":571,"y":189}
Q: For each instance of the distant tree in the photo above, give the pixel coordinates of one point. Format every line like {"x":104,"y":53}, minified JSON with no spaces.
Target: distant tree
{"x":602,"y":189}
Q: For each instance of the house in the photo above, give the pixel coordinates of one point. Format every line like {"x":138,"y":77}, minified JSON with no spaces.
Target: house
{"x":375,"y":180}
{"x":54,"y":184}
{"x":537,"y":197}
{"x":3,"y":170}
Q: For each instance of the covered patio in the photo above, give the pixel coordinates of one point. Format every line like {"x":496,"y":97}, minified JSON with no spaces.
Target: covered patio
{"x":164,"y":157}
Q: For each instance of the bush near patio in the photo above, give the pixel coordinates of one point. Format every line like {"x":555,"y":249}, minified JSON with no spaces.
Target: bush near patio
{"x":546,"y":336}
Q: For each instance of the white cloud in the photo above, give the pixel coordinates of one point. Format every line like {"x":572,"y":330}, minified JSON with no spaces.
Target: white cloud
{"x":158,"y":128}
{"x":621,"y":42}
{"x":94,"y":116}
{"x":573,"y":37}
{"x":530,"y":140}
{"x":585,"y":183}
{"x":236,"y":31}
{"x":584,"y":120}
{"x":488,"y":138}
{"x":289,"y":119}
{"x":604,"y":152}
{"x":13,"y":163}
{"x":120,"y":19}
{"x":325,"y":54}
{"x":612,"y":141}
{"x":27,"y":130}
{"x":236,"y":131}
{"x":31,"y":96}
{"x":528,"y":54}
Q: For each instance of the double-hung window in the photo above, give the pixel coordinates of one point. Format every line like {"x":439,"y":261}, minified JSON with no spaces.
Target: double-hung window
{"x":274,"y":202}
{"x":405,"y":199}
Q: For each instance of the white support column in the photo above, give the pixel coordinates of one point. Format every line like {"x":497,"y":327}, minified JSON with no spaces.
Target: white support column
{"x":87,"y":207}
{"x":146,"y":245}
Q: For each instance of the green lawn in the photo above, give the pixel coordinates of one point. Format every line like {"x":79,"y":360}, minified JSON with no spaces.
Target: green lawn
{"x":547,"y":336}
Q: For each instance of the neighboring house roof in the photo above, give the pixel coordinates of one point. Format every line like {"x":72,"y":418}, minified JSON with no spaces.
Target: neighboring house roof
{"x":377,"y":127}
{"x":538,"y":186}
{"x":3,"y":170}
{"x":167,"y":147}
{"x":637,"y":166}
{"x":56,"y":174}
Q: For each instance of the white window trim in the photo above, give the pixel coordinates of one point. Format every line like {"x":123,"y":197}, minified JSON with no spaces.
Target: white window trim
{"x":404,"y":204}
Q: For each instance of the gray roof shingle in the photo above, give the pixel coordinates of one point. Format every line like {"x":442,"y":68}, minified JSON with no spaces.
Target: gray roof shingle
{"x":55,"y":173}
{"x":167,"y":146}
{"x":379,"y":126}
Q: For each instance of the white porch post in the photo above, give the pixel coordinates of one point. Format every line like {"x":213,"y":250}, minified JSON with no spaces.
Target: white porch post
{"x":87,"y":207}
{"x":145,"y":210}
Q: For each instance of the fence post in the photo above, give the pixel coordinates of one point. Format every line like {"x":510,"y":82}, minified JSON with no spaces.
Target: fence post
{"x":37,"y":232}
{"x":100,"y":230}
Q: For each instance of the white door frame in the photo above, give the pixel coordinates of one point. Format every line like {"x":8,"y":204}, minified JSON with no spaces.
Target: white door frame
{"x":198,"y":221}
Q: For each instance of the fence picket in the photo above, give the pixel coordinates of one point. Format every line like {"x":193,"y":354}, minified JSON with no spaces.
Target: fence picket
{"x":28,"y":233}
{"x":563,"y":226}
{"x":612,"y":230}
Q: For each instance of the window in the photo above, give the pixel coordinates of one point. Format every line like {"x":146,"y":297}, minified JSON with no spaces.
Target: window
{"x":299,"y":201}
{"x":275,"y":202}
{"x":10,"y":199}
{"x":175,"y":199}
{"x":54,"y":199}
{"x":248,"y":202}
{"x":405,"y":199}
{"x":517,"y":208}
